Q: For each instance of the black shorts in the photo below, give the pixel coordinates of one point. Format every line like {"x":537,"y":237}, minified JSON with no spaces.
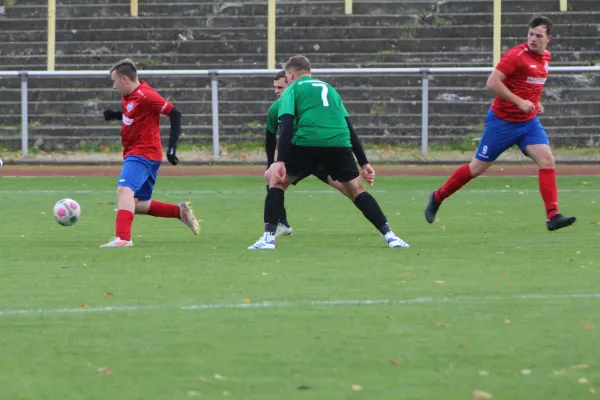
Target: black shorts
{"x":320,"y":172}
{"x":339,"y":162}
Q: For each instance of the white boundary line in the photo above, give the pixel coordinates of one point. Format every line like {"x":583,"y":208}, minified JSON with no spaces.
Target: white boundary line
{"x":262,"y":192}
{"x":298,"y":304}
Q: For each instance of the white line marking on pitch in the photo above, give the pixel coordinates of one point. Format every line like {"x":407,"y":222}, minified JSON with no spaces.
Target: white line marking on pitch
{"x":298,"y":304}
{"x":262,"y":193}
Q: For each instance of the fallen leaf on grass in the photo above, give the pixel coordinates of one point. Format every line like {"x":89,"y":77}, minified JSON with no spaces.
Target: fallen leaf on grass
{"x":193,"y":393}
{"x":219,"y":377}
{"x":483,"y":373}
{"x":499,"y":252}
{"x":441,"y":324}
{"x":439,"y":282}
{"x":561,"y":372}
{"x":579,"y":366}
{"x":592,"y":391}
{"x":443,"y":227}
{"x":479,"y":394}
{"x":202,"y":379}
{"x":588,"y":325}
{"x":105,"y":370}
{"x":393,"y":362}
{"x":357,"y":388}
{"x":83,"y":305}
{"x":582,"y":380}
{"x":246,"y":301}
{"x":506,"y":321}
{"x":525,"y":372}
{"x":463,"y":346}
{"x":108,"y":293}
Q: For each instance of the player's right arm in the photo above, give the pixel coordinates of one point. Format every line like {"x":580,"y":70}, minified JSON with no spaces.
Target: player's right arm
{"x":508,"y":65}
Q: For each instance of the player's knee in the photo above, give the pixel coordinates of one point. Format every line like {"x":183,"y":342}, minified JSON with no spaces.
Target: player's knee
{"x":478,"y":167}
{"x":546,"y":161}
{"x":124,"y":191}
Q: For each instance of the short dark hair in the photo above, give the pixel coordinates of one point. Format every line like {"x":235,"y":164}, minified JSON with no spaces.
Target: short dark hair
{"x":126,"y":68}
{"x":280,"y":74}
{"x":540,"y":20}
{"x":297,"y":63}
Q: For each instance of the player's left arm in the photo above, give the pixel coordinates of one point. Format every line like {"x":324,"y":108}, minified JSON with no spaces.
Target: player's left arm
{"x":156,"y":103}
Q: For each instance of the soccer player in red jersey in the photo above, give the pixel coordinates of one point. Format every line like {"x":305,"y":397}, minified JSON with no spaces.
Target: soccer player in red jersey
{"x":142,"y":152}
{"x":517,"y":82}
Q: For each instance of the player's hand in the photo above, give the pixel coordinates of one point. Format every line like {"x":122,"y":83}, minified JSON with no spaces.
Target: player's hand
{"x":368,"y":174}
{"x":526,"y":106}
{"x":171,"y":156}
{"x":279,"y":171}
{"x":110,"y":114}
{"x":540,"y":108}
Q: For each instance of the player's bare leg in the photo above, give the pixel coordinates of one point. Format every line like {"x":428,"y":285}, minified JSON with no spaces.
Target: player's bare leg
{"x":339,"y":186}
{"x":458,"y":179}
{"x":124,"y":221}
{"x":371,"y":210}
{"x":544,"y":158}
{"x":283,"y":227}
{"x":182,"y":211}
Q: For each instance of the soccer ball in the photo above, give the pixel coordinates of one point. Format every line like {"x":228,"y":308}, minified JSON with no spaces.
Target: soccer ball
{"x":67,"y":212}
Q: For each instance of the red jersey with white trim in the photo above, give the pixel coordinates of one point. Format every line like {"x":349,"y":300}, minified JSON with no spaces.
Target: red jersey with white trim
{"x":526,"y":72}
{"x":140,"y":132}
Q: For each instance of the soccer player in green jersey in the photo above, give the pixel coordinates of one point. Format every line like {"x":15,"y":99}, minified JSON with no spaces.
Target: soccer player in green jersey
{"x":280,"y":84}
{"x":323,"y":136}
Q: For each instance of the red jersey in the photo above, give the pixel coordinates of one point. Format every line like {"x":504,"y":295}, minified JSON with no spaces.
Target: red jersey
{"x":140,"y":132}
{"x":526,"y":72}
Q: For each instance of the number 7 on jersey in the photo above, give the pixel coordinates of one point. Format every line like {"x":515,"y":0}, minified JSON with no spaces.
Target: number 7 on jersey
{"x":324,"y":92}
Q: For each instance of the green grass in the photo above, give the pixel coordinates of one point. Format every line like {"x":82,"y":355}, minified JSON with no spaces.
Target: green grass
{"x":475,"y":272}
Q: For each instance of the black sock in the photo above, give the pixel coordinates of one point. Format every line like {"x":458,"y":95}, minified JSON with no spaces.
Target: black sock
{"x":282,"y":219}
{"x":273,"y":208}
{"x":371,"y":210}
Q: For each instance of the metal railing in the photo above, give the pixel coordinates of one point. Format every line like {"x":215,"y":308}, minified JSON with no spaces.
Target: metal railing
{"x":215,"y":74}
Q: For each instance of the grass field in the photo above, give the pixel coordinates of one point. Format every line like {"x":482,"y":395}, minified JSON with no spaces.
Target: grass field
{"x":484,"y":300}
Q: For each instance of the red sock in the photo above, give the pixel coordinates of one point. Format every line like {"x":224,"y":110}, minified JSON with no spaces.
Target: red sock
{"x":124,"y":222}
{"x":547,"y":182}
{"x":164,"y":210}
{"x":458,"y":179}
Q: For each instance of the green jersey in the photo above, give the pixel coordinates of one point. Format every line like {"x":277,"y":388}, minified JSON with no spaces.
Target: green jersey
{"x":319,"y":114}
{"x":272,"y":117}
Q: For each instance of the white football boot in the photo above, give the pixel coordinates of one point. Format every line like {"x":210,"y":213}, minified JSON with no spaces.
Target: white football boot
{"x":265,"y":242}
{"x":394,"y":241}
{"x":117,"y":242}
{"x":186,"y":215}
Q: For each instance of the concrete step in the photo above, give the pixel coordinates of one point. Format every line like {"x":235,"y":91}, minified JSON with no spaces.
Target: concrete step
{"x":370,"y":82}
{"x":334,"y":32}
{"x":98,"y":144}
{"x":180,"y":22}
{"x":351,"y":93}
{"x":234,"y":47}
{"x":241,"y":61}
{"x":315,"y":8}
{"x":93,"y":108}
{"x":259,"y":120}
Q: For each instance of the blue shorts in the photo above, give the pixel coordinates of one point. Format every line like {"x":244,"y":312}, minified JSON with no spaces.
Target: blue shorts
{"x":139,"y":174}
{"x":500,"y":135}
